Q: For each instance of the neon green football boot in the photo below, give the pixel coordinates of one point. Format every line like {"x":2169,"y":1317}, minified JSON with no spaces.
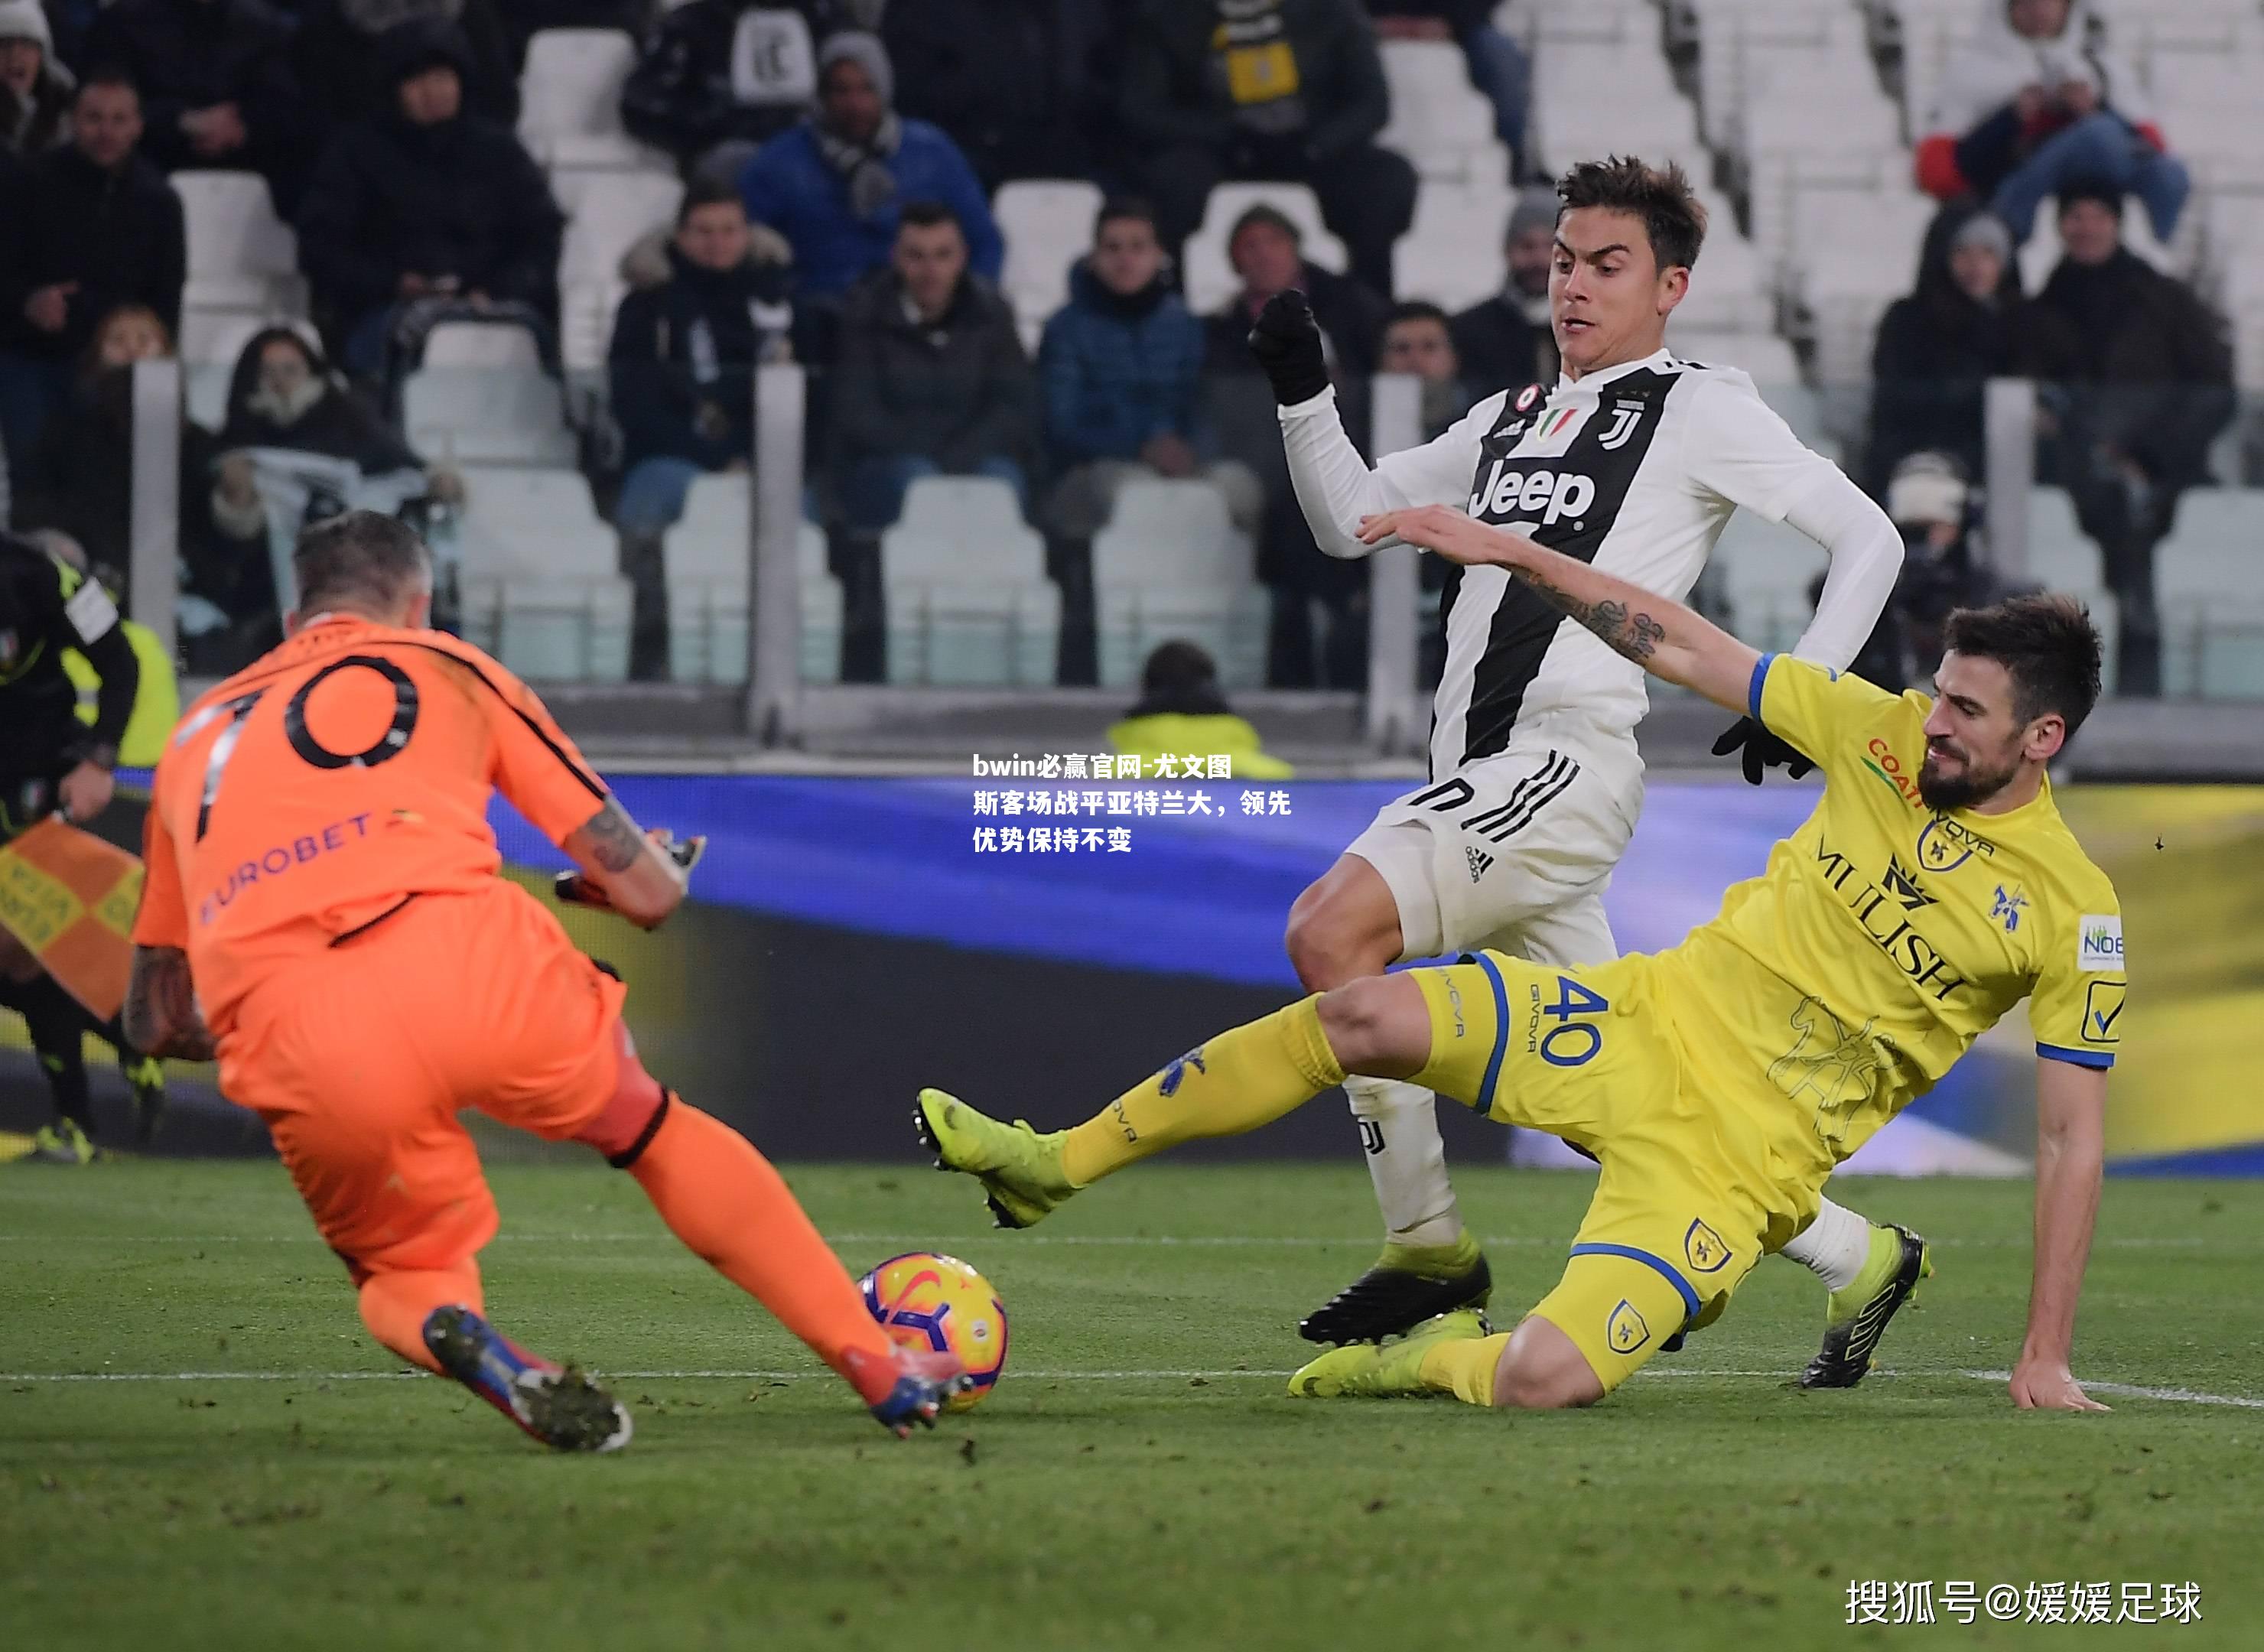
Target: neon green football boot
{"x":1385,"y":1370}
{"x":1020,"y":1170}
{"x":62,"y":1142}
{"x":1855,"y":1318}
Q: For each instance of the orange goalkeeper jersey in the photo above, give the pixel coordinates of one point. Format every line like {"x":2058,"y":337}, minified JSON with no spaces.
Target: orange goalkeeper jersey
{"x":335,"y":778}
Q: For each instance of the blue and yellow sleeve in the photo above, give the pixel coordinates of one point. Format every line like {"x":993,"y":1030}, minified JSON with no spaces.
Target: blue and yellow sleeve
{"x":2076,"y":1007}
{"x":1810,"y":706}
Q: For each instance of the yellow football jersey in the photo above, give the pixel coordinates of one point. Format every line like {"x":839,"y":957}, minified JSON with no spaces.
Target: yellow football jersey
{"x":1885,"y":937}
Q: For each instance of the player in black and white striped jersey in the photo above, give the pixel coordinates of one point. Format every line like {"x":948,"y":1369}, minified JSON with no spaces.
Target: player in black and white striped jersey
{"x":1634,"y":460}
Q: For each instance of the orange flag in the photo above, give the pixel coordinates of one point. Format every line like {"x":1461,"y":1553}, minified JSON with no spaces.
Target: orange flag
{"x":70,"y":898}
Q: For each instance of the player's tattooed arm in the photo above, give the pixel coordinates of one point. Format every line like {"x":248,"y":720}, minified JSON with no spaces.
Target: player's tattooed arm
{"x":161,"y":1012}
{"x":640,"y":874}
{"x":1665,"y":638}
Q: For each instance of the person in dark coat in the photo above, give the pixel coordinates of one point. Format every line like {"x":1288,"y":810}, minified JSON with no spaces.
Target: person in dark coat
{"x":218,"y":88}
{"x":1504,"y":342}
{"x":425,"y":201}
{"x":79,"y":478}
{"x":283,"y":395}
{"x":87,"y":228}
{"x":931,"y":378}
{"x":717,"y":79}
{"x":344,"y":73}
{"x":1965,"y":323}
{"x":36,"y":87}
{"x":682,"y":367}
{"x":1012,"y":81}
{"x":2145,"y":387}
{"x":1292,"y":89}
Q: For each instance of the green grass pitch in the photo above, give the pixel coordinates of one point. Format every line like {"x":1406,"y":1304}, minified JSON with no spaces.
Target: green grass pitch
{"x":1139,"y":1479}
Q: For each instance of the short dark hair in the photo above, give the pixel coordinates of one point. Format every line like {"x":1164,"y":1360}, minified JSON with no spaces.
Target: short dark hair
{"x":2104,"y":191}
{"x":927,"y":214}
{"x":1273,"y":217}
{"x":1118,"y":208}
{"x":708,"y":192}
{"x":112,"y":75}
{"x":1416,"y":309}
{"x":363,"y":556}
{"x":1672,"y":215}
{"x":2047,"y":643}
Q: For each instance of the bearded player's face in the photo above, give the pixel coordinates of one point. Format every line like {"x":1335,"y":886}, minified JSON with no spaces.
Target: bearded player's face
{"x":1976,"y":741}
{"x":1608,"y":300}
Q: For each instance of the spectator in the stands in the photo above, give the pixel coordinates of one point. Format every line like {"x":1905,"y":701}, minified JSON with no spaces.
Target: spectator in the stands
{"x":36,"y":87}
{"x":283,"y":395}
{"x":1419,"y":339}
{"x":1266,"y":250}
{"x":343,"y":63}
{"x":1504,"y":341}
{"x":88,"y":227}
{"x":1121,"y":372}
{"x":719,"y":78}
{"x":218,"y":88}
{"x":2033,"y":103}
{"x":1965,"y":323}
{"x":931,"y":378}
{"x":1012,"y":81}
{"x":79,"y":478}
{"x":2147,"y":379}
{"x":1498,"y":65}
{"x":426,"y":201}
{"x":1268,"y":88}
{"x":682,"y":367}
{"x":836,"y":185}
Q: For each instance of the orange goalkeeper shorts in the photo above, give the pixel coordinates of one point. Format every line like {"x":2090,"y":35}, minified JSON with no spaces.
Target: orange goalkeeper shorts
{"x":360,"y":1057}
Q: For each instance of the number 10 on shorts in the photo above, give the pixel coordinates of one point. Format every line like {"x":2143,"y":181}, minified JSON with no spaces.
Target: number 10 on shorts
{"x":1573,"y":1042}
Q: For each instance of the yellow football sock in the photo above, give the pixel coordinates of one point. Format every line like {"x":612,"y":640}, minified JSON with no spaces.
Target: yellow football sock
{"x":1224,"y":1086}
{"x":1465,"y":1369}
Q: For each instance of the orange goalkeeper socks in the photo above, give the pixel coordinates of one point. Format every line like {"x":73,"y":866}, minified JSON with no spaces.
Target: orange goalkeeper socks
{"x":395,"y":1305}
{"x":726,"y":1202}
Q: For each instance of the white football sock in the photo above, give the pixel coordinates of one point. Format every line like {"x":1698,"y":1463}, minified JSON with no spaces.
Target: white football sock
{"x":1834,"y":1246}
{"x":1406,"y":1159}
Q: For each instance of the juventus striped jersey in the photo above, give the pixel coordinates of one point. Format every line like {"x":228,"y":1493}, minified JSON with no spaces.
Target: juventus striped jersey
{"x":1635,"y":468}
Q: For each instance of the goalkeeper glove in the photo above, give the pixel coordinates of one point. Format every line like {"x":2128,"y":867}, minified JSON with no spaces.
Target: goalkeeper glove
{"x":576,"y":889}
{"x":1287,"y":342}
{"x":1763,"y":751}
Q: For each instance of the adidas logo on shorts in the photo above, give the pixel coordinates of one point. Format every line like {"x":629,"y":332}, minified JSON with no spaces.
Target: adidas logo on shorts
{"x":1478,"y":860}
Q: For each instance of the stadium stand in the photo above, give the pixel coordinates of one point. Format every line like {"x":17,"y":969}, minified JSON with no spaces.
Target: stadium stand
{"x":968,"y":598}
{"x":1168,"y":565}
{"x":708,"y":564}
{"x":538,"y":580}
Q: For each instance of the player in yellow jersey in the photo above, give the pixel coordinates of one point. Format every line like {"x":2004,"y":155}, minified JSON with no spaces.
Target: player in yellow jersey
{"x":1719,"y":1083}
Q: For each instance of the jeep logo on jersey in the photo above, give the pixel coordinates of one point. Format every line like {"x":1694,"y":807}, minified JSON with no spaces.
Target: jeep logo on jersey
{"x":1545,"y":497}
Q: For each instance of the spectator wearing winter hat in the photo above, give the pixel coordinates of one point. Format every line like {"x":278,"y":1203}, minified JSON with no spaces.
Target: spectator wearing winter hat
{"x":1964,"y":324}
{"x":836,"y":185}
{"x":36,"y":87}
{"x":218,"y":88}
{"x":2033,"y":103}
{"x":1505,"y":341}
{"x":346,"y":72}
{"x":717,"y":79}
{"x":424,"y":201}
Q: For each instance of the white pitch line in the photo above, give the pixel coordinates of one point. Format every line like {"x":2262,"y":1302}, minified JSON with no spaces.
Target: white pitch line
{"x":2181,"y":1397}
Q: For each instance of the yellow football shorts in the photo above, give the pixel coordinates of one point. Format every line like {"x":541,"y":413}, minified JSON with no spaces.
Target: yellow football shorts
{"x":1588,"y":1052}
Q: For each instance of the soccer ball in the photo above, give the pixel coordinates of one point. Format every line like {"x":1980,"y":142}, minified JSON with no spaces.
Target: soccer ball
{"x":927,"y":1301}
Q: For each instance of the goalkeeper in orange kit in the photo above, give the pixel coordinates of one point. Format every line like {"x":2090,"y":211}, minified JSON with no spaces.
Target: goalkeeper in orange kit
{"x":320,"y":869}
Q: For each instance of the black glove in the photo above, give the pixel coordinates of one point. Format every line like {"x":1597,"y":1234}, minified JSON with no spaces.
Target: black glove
{"x":1763,"y":751}
{"x":1287,"y":342}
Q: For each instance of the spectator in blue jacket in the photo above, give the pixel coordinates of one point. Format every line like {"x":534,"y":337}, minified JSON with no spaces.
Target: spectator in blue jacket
{"x":1121,"y":369}
{"x":835,"y":185}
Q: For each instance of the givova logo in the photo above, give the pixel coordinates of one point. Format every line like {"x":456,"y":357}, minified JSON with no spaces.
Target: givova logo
{"x":1546,"y":497}
{"x":2099,"y":941}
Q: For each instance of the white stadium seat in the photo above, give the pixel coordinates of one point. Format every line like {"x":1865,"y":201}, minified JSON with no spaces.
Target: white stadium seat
{"x":706,"y":557}
{"x":2208,"y":582}
{"x":1209,"y":279}
{"x":1439,"y":120}
{"x":614,"y":211}
{"x":487,"y":415}
{"x":481,"y":344}
{"x":964,"y":579}
{"x":1170,"y":565}
{"x":540,"y":573}
{"x":1452,"y":254}
{"x":1767,"y":568}
{"x":1047,"y":226}
{"x":241,"y":256}
{"x":569,"y":100}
